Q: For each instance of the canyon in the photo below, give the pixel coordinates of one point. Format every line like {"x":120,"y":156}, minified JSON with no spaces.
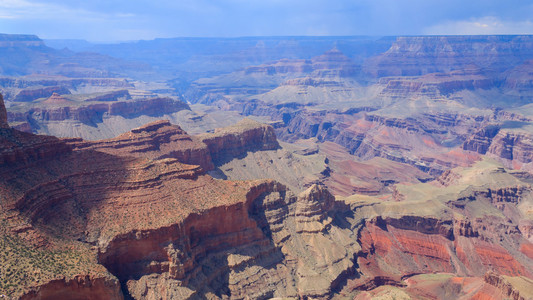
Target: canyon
{"x":300,"y":168}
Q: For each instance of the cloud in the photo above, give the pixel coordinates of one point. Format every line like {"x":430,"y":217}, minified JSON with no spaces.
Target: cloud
{"x":480,"y":26}
{"x":62,"y":20}
{"x":32,"y":10}
{"x":112,"y":20}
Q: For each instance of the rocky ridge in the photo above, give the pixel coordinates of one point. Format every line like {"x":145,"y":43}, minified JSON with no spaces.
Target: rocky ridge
{"x":92,"y":113}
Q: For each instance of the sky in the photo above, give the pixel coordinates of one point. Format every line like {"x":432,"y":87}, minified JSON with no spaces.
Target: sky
{"x":126,"y":20}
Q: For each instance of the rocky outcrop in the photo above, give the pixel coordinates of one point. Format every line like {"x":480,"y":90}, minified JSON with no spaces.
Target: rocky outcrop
{"x":233,"y":141}
{"x":155,"y":140}
{"x":203,"y":240}
{"x":57,"y":99}
{"x":28,"y":95}
{"x":480,"y":142}
{"x":330,"y":63}
{"x":3,"y":114}
{"x":79,"y":287}
{"x":94,"y":113}
{"x":334,"y":63}
{"x":503,"y":285}
{"x":160,"y":139}
{"x":513,"y":146}
{"x":111,"y":96}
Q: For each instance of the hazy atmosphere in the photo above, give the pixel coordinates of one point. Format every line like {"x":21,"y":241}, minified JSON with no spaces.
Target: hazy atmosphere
{"x":121,"y":20}
{"x":273,"y":149}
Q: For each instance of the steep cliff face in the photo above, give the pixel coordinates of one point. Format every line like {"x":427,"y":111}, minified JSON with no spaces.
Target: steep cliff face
{"x":414,"y":56}
{"x":513,"y":146}
{"x":92,"y":113}
{"x":247,"y":135}
{"x":111,"y":96}
{"x":3,"y":114}
{"x":431,"y":135}
{"x":480,"y":142}
{"x":160,"y":139}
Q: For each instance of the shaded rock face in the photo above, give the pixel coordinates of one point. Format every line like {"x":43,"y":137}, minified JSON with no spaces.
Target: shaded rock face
{"x":21,"y":147}
{"x":3,"y":114}
{"x":156,"y":140}
{"x":208,"y":252}
{"x":80,"y":287}
{"x":519,"y":81}
{"x":246,"y":250}
{"x":233,"y":141}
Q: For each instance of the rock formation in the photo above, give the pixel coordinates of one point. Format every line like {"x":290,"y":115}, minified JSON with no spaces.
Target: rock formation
{"x":28,"y":95}
{"x":3,"y":114}
{"x":247,"y":135}
{"x":58,"y":108}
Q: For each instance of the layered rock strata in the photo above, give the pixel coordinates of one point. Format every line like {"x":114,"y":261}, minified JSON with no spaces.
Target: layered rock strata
{"x":94,"y":113}
{"x":165,"y":229}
